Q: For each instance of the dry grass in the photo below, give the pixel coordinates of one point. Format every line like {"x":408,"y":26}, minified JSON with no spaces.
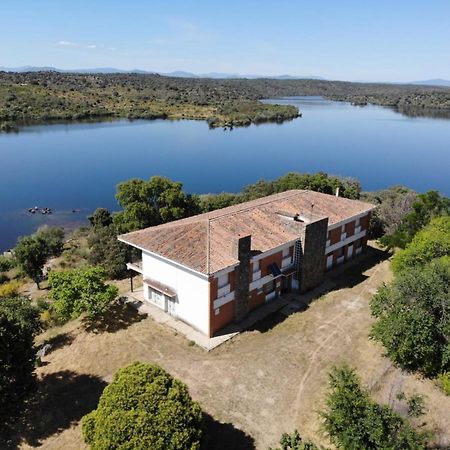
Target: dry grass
{"x":261,"y":382}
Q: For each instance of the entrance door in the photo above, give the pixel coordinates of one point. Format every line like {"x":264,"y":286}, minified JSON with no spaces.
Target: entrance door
{"x":350,"y":251}
{"x":171,"y":306}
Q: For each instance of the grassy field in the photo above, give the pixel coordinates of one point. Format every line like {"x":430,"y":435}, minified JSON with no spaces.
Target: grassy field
{"x":263,"y":382}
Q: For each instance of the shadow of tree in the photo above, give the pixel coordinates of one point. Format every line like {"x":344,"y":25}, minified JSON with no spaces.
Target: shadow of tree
{"x":224,"y":436}
{"x":118,"y":317}
{"x":59,"y":341}
{"x":61,"y":399}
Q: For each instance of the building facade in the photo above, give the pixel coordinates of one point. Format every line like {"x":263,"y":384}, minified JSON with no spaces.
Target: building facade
{"x":212,"y":269}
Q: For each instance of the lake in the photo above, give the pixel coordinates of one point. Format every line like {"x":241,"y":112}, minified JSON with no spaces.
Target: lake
{"x":75,"y":167}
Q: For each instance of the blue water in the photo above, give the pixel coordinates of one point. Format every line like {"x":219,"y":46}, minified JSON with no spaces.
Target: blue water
{"x":77,"y":166}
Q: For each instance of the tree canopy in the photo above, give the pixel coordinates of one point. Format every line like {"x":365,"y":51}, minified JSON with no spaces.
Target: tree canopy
{"x":144,"y":408}
{"x":353,"y":421}
{"x":19,"y":324}
{"x":431,"y":242}
{"x":148,"y":203}
{"x":423,"y":209}
{"x":80,"y":290}
{"x":31,"y":253}
{"x":413,"y":315}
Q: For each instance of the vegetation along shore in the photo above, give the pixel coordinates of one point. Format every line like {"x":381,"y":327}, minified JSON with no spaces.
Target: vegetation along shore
{"x":41,"y":97}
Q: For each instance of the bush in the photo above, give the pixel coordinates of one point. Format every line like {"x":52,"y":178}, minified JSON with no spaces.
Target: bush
{"x":19,"y":325}
{"x":295,"y":442}
{"x":80,"y":290}
{"x":7,"y":263}
{"x":9,"y":289}
{"x":413,"y":317}
{"x":354,"y":422}
{"x":144,"y":407}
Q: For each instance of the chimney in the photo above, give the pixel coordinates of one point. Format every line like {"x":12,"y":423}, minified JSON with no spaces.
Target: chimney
{"x":337,"y":191}
{"x":241,"y":251}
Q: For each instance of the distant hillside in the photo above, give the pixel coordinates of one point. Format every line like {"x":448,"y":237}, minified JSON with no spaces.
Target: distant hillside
{"x":433,"y":82}
{"x":177,"y":73}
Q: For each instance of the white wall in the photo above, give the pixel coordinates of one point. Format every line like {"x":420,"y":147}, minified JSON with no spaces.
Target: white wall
{"x":192,"y":301}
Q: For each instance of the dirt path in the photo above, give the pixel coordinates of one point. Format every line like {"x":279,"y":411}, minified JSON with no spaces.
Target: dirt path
{"x":263,"y":383}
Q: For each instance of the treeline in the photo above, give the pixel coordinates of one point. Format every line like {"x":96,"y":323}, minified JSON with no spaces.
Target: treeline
{"x":45,"y":96}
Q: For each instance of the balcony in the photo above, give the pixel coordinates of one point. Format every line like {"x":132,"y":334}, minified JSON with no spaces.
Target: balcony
{"x":136,"y":266}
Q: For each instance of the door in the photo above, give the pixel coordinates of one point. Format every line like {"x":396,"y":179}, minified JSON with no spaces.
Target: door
{"x":171,"y":306}
{"x":350,"y":251}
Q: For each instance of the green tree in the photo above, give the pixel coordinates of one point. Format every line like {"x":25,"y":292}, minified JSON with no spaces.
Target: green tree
{"x":107,"y":252}
{"x":80,"y":290}
{"x":431,"y":242}
{"x":19,"y":324}
{"x":144,"y":408}
{"x":7,"y":263}
{"x":100,"y":218}
{"x":31,"y":253}
{"x":353,"y":421}
{"x":53,"y":238}
{"x":147,"y":203}
{"x":413,"y":314}
{"x":426,"y":207}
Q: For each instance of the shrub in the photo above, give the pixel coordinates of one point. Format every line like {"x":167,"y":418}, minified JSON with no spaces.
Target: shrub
{"x":7,"y":263}
{"x":353,"y":421}
{"x":9,"y":289}
{"x":295,"y":442}
{"x":144,"y":407}
{"x":80,"y":290}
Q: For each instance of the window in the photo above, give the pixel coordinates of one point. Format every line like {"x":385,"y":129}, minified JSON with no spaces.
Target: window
{"x":340,"y":252}
{"x":358,"y":222}
{"x":269,"y":287}
{"x":256,"y":265}
{"x":286,"y":252}
{"x":222,"y":280}
{"x":343,"y":229}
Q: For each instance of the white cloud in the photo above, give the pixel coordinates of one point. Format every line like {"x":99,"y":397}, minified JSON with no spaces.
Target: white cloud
{"x":112,"y":49}
{"x":91,"y":46}
{"x":68,"y":44}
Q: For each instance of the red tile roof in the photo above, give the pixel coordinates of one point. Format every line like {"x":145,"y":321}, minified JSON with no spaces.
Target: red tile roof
{"x":205,"y":242}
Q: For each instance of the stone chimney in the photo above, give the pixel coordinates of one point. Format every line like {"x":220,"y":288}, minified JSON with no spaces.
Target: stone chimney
{"x":241,"y":251}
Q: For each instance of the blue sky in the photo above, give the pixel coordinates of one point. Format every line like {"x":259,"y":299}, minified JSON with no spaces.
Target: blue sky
{"x":396,"y":40}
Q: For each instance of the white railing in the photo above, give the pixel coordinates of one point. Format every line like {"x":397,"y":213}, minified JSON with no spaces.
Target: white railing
{"x":224,"y":290}
{"x":223,"y":300}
